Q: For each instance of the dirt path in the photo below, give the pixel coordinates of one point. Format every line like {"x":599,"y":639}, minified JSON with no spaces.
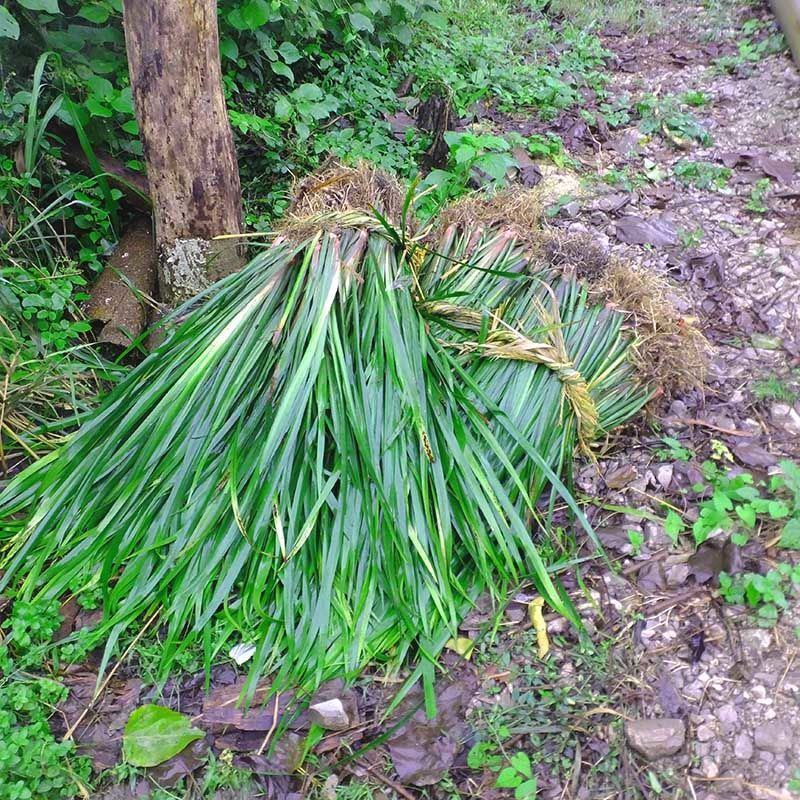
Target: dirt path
{"x":690,"y":669}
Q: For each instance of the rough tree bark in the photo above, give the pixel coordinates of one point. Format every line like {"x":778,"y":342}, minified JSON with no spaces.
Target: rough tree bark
{"x":174,"y":64}
{"x":788,"y":14}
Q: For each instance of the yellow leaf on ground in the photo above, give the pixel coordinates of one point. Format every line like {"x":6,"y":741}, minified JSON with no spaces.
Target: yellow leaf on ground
{"x":462,"y":645}
{"x":537,"y":620}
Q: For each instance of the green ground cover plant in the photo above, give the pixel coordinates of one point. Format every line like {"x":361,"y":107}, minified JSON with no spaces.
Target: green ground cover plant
{"x":475,"y":158}
{"x":736,"y":502}
{"x":304,"y":81}
{"x":757,"y":199}
{"x":537,"y":724}
{"x":667,"y":115}
{"x":630,"y":15}
{"x":57,"y":227}
{"x":756,"y":40}
{"x":702,"y":174}
{"x":33,"y":763}
{"x":774,"y":387}
{"x":766,"y":594}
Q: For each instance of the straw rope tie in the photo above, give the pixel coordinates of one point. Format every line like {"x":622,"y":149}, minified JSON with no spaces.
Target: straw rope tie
{"x":577,"y":391}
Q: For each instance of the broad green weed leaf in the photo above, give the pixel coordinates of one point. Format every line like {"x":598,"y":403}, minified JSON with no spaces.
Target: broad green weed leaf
{"x":154,"y":734}
{"x":790,"y":536}
{"x":50,"y":6}
{"x":673,"y":526}
{"x":361,"y":22}
{"x":228,"y":48}
{"x":283,"y":109}
{"x":777,"y":509}
{"x":9,"y":27}
{"x":279,"y":68}
{"x":521,"y":763}
{"x":526,"y":790}
{"x":255,"y":13}
{"x":508,"y":778}
{"x":94,"y":12}
{"x":747,"y":514}
{"x":289,"y":52}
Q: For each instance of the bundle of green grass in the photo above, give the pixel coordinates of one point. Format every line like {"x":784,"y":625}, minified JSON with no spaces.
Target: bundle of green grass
{"x":333,"y":452}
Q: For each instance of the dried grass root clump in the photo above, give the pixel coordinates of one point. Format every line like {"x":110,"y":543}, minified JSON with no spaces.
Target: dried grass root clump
{"x":668,"y":349}
{"x":339,"y":196}
{"x":517,"y":210}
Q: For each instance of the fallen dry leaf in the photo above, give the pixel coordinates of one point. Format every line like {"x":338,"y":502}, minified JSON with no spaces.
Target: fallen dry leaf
{"x":423,"y":750}
{"x":655,"y":231}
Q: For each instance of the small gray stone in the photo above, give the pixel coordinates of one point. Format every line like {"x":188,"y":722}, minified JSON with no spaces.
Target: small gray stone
{"x":571,"y":210}
{"x":709,"y":768}
{"x":756,"y":639}
{"x":656,"y":738}
{"x":774,"y":737}
{"x":727,"y":714}
{"x":330,"y":714}
{"x":704,"y":733}
{"x":785,"y":417}
{"x":743,"y":747}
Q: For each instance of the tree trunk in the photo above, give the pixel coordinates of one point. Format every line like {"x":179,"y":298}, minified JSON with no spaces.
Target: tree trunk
{"x":788,"y":14}
{"x":174,"y":63}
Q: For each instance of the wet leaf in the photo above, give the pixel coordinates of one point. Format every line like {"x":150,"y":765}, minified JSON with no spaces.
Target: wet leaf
{"x":154,"y":734}
{"x":527,"y":169}
{"x":655,"y":231}
{"x":179,"y":766}
{"x":621,"y":476}
{"x":732,"y":561}
{"x":400,"y":123}
{"x":706,"y":563}
{"x":753,"y":455}
{"x":617,"y":537}
{"x":651,"y":577}
{"x":707,"y":267}
{"x":782,"y":171}
{"x":423,"y":750}
{"x":222,"y":709}
{"x":97,"y":734}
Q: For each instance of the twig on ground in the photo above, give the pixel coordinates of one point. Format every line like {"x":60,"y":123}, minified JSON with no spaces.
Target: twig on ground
{"x":273,"y":725}
{"x":112,"y":672}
